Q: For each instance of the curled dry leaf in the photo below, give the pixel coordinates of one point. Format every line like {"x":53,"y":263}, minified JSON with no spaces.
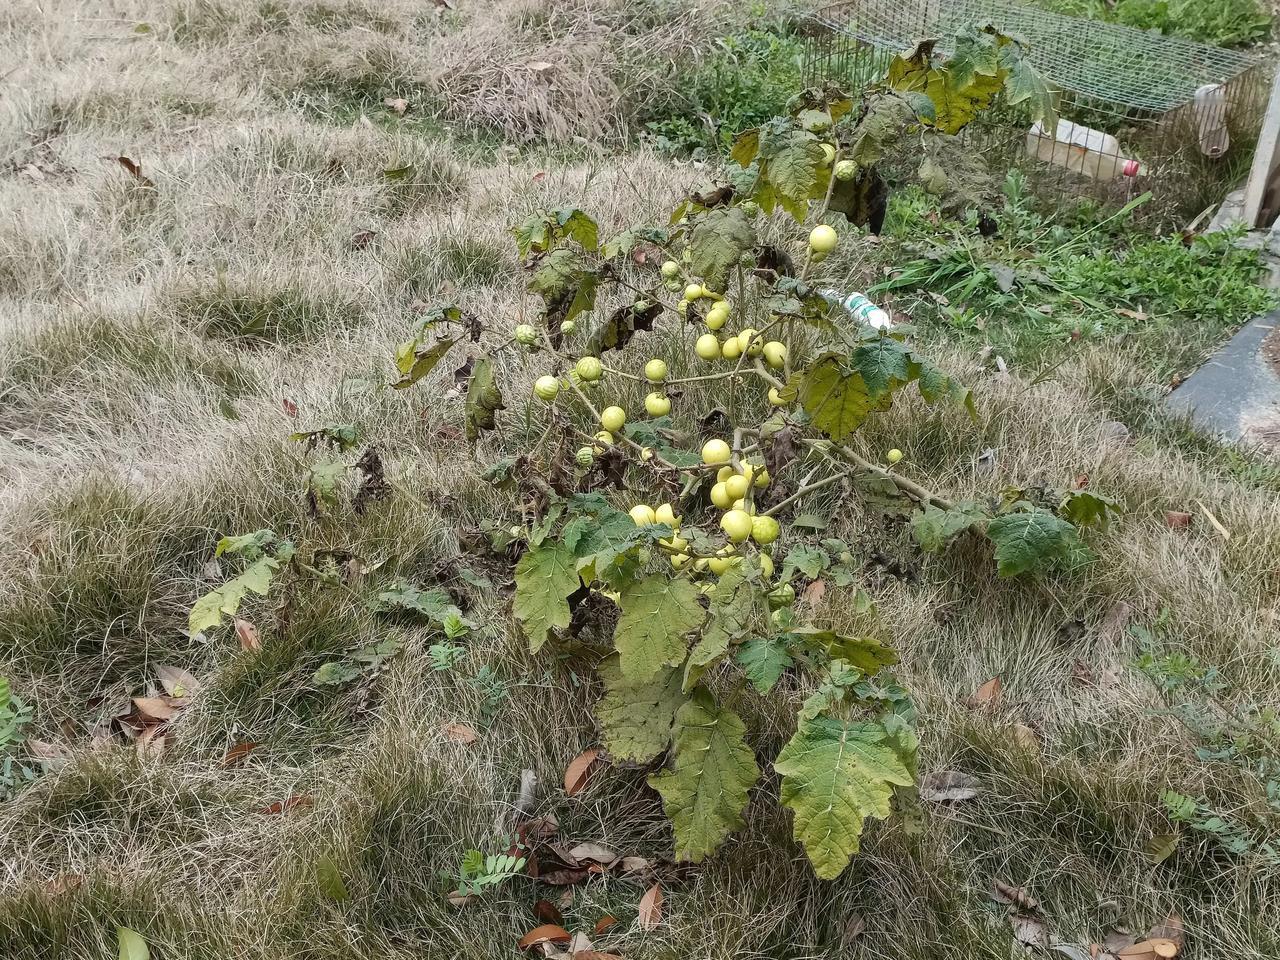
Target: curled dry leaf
{"x":248,"y":635}
{"x":289,"y":803}
{"x":1030,"y":929}
{"x":155,"y":708}
{"x":237,"y":753}
{"x":650,"y":909}
{"x":988,"y":695}
{"x":1177,"y":519}
{"x":1154,"y":949}
{"x":547,"y":912}
{"x":397,"y":105}
{"x":603,"y":924}
{"x":814,"y":592}
{"x":595,"y":852}
{"x":177,"y":683}
{"x":1019,"y":897}
{"x":459,"y":900}
{"x":460,"y":733}
{"x":1171,"y":928}
{"x":575,"y":775}
{"x":1026,"y":738}
{"x":945,"y":786}
{"x":547,"y":933}
{"x":51,"y":755}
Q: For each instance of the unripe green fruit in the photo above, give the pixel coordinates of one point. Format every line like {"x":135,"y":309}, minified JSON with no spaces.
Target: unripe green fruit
{"x":589,"y":369}
{"x":764,"y":530}
{"x":612,"y":418}
{"x":585,"y":456}
{"x":665,"y":514}
{"x":642,"y":515}
{"x":894,"y":455}
{"x":828,"y":152}
{"x":526,"y":334}
{"x":640,"y":306}
{"x":716,"y":451}
{"x":766,"y":565}
{"x":546,"y":387}
{"x":731,"y":349}
{"x":655,"y":371}
{"x":749,"y":207}
{"x":846,"y":170}
{"x":693,"y":291}
{"x":670,"y":269}
{"x":568,"y":327}
{"x":720,"y":496}
{"x":775,"y":398}
{"x":775,"y":354}
{"x":782,"y":596}
{"x":657,"y":405}
{"x":737,"y":486}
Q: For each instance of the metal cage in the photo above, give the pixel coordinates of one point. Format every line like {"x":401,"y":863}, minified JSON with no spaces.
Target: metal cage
{"x":1140,"y":111}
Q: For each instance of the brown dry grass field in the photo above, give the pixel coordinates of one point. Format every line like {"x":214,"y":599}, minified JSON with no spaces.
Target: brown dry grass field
{"x":161,"y":338}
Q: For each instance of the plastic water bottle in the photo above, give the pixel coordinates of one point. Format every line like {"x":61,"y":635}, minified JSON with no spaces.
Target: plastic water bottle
{"x":863,"y":310}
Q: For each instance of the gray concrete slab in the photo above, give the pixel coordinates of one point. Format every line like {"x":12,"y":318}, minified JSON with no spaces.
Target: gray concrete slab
{"x":1236,"y":394}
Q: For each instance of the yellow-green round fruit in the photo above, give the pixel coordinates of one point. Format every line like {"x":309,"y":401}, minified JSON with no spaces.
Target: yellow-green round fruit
{"x":526,"y":334}
{"x":585,"y":456}
{"x":724,"y":473}
{"x":782,"y":596}
{"x":667,"y":515}
{"x":604,"y":438}
{"x":766,"y":565}
{"x":568,"y":327}
{"x":642,"y":514}
{"x":737,"y":486}
{"x":764,"y":530}
{"x":894,"y":455}
{"x":775,"y":398}
{"x":740,"y":505}
{"x":589,"y":369}
{"x":731,"y":349}
{"x":670,"y":269}
{"x":823,"y":239}
{"x":707,"y":347}
{"x":612,"y":418}
{"x":717,"y":318}
{"x":762,"y":478}
{"x":749,"y":207}
{"x":546,"y":387}
{"x":828,"y":152}
{"x":737,"y":525}
{"x":719,"y":565}
{"x":716,"y":451}
{"x":775,"y":354}
{"x":655,"y":371}
{"x":678,"y":560}
{"x":693,"y":291}
{"x":720,"y":496}
{"x":846,"y":170}
{"x":748,"y":342}
{"x":657,"y":405}
{"x":646,"y":454}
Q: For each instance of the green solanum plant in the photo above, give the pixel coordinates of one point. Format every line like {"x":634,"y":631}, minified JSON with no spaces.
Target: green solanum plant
{"x":691,"y":562}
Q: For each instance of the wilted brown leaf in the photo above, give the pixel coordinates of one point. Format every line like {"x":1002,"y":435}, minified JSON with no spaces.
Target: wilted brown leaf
{"x":248,"y":635}
{"x":575,"y":775}
{"x":155,"y":708}
{"x":541,"y":828}
{"x":1153,"y":949}
{"x":1177,"y":519}
{"x":603,"y":924}
{"x":595,"y":852}
{"x":1161,"y":847}
{"x":650,"y":909}
{"x":547,"y":912}
{"x":852,"y":928}
{"x":1082,"y":674}
{"x":177,"y":682}
{"x":63,"y":883}
{"x":944,"y":786}
{"x":397,"y":105}
{"x":460,"y":733}
{"x":1026,"y":738}
{"x":1019,"y":897}
{"x":1030,"y":930}
{"x":1171,"y":928}
{"x":988,"y":695}
{"x":289,"y":803}
{"x":237,"y":753}
{"x":51,"y":755}
{"x":547,"y":933}
{"x":814,"y":592}
{"x":290,"y":408}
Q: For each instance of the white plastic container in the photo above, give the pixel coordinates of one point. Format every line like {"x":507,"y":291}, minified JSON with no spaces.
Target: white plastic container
{"x":1081,"y":149}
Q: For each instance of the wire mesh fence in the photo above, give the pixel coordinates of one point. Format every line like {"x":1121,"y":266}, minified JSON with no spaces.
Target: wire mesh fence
{"x":1140,"y":111}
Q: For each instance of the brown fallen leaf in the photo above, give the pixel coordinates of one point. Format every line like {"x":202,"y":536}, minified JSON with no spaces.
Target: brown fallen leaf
{"x":289,"y":803}
{"x":155,"y":708}
{"x":397,"y":105}
{"x":814,"y":592}
{"x":177,"y":682}
{"x":1177,"y":519}
{"x":1019,"y":897}
{"x":50,"y":755}
{"x":63,"y":883}
{"x":580,"y":946}
{"x":575,"y":775}
{"x":547,"y":912}
{"x":1030,"y":930}
{"x":459,"y":900}
{"x":946,"y":786}
{"x":460,"y":733}
{"x":547,"y":933}
{"x":1026,"y":738}
{"x":540,"y":828}
{"x":540,"y":66}
{"x":1082,"y":674}
{"x":650,"y":909}
{"x":603,"y":924}
{"x":135,"y":170}
{"x":290,"y":408}
{"x":853,"y":927}
{"x":595,"y":852}
{"x":248,"y":635}
{"x":237,"y":753}
{"x":988,"y":695}
{"x":362,"y":238}
{"x":1153,"y":949}
{"x":1171,"y":928}
{"x":1115,"y":620}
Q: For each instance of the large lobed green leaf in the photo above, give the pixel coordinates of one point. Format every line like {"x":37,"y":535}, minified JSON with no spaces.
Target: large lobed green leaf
{"x":545,"y":577}
{"x":705,"y":791}
{"x":732,"y":602}
{"x":636,"y":716}
{"x":719,"y":240}
{"x":835,"y":775}
{"x":657,"y":613}
{"x":1033,"y":540}
{"x":208,"y":611}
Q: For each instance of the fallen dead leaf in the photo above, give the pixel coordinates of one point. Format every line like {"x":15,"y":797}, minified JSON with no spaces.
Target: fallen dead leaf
{"x":290,"y":408}
{"x":362,"y":238}
{"x":541,"y":828}
{"x":548,"y":912}
{"x":177,"y":682}
{"x":603,"y":924}
{"x":1154,"y":949}
{"x":575,"y":775}
{"x":1117,"y":939}
{"x":459,"y":900}
{"x":1171,"y":928}
{"x":1115,"y":620}
{"x":1161,"y":847}
{"x":945,"y":786}
{"x":1030,"y":930}
{"x":987,"y":695}
{"x":63,"y":883}
{"x":650,"y":909}
{"x":248,"y":635}
{"x":237,"y":753}
{"x":1177,"y":519}
{"x":1082,"y":674}
{"x":595,"y":852}
{"x":1026,"y":738}
{"x":460,"y":733}
{"x":51,"y":755}
{"x":397,"y":105}
{"x":580,"y":946}
{"x":540,"y":66}
{"x":156,"y":708}
{"x":853,"y":927}
{"x":289,"y":803}
{"x":1019,"y":897}
{"x":814,"y":592}
{"x":547,"y":933}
